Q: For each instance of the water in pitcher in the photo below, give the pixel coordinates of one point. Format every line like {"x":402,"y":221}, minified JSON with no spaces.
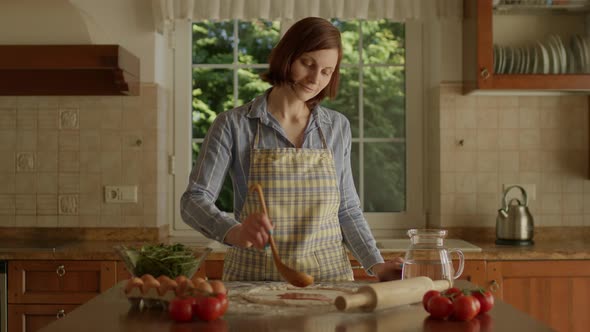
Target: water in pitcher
{"x":434,"y":269}
{"x":427,"y":256}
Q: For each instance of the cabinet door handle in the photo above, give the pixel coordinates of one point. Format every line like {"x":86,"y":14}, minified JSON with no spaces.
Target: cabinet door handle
{"x":494,"y":286}
{"x":61,"y":270}
{"x":61,"y":313}
{"x":485,"y":73}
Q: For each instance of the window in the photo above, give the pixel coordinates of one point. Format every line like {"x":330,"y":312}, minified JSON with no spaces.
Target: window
{"x":380,"y":93}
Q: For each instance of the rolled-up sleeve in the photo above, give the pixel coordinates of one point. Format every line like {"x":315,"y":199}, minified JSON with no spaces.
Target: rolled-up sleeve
{"x":355,"y":229}
{"x":197,"y":204}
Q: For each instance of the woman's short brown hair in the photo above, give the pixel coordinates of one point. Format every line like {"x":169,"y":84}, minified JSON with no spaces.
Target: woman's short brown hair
{"x":306,"y":35}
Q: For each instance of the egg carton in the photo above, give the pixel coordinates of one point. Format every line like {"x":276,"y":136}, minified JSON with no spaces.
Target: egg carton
{"x":151,"y":298}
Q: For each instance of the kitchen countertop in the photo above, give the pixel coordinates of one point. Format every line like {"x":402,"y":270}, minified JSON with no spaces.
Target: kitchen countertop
{"x":112,"y":312}
{"x":103,"y":250}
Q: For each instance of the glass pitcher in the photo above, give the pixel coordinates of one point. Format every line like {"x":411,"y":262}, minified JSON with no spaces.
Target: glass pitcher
{"x":427,"y":256}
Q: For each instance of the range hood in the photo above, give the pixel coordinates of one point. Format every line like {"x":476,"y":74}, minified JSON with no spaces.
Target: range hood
{"x":67,"y":70}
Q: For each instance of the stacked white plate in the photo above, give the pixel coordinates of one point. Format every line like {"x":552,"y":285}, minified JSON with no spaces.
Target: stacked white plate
{"x":550,"y":56}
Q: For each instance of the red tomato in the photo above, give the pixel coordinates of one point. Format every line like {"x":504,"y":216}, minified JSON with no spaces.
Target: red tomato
{"x":427,"y":296}
{"x":485,"y":298}
{"x":453,"y":293}
{"x":440,"y":307}
{"x":222,"y":297}
{"x":209,"y":308}
{"x":465,"y":307}
{"x":180,"y":309}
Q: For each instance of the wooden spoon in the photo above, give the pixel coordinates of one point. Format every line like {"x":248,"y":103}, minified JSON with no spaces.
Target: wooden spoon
{"x":294,"y":277}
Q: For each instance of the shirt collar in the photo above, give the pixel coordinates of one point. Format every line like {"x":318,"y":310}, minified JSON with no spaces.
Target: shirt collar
{"x":259,"y":110}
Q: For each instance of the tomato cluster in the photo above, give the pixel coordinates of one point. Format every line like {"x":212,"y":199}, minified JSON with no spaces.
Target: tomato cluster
{"x":205,"y":307}
{"x":457,"y":304}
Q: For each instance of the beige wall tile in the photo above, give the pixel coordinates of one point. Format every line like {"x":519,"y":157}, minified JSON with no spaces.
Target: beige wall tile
{"x":90,"y":119}
{"x":90,"y":162}
{"x":26,"y":118}
{"x":47,"y":140}
{"x":47,"y":221}
{"x":68,"y":183}
{"x":7,"y":118}
{"x":26,"y":204}
{"x":7,"y":221}
{"x":90,"y":204}
{"x":26,"y":183}
{"x":8,"y":180}
{"x":68,"y":221}
{"x":47,"y":161}
{"x":7,"y":205}
{"x":47,"y":118}
{"x":63,"y":137}
{"x":110,"y":140}
{"x":7,"y":139}
{"x":69,"y":140}
{"x":7,"y":161}
{"x":90,"y":140}
{"x":487,"y":182}
{"x":111,"y":118}
{"x":47,"y":205}
{"x":26,"y":221}
{"x":69,"y":161}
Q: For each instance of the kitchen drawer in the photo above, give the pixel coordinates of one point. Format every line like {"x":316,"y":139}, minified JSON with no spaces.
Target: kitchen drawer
{"x":33,"y":317}
{"x":64,"y":282}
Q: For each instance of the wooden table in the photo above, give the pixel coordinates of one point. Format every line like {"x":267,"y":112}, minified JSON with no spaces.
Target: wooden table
{"x":112,"y":312}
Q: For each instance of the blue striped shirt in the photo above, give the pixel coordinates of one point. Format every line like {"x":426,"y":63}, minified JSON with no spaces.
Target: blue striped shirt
{"x":226,"y":149}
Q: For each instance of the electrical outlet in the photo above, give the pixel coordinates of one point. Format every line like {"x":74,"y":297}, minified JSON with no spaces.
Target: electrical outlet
{"x":120,"y":194}
{"x":531,"y":191}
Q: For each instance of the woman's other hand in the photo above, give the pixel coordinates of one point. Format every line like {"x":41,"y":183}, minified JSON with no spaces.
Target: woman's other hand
{"x":253,"y":231}
{"x":390,"y":270}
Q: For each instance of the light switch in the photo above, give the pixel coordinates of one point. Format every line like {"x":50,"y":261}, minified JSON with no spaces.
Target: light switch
{"x":120,"y":194}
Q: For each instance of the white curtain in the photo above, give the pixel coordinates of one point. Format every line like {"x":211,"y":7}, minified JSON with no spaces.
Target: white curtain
{"x":166,"y":11}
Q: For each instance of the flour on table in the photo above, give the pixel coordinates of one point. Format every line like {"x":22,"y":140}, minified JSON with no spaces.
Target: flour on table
{"x":288,"y":295}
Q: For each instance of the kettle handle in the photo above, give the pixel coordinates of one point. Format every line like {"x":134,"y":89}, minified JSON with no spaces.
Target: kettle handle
{"x":522,"y":191}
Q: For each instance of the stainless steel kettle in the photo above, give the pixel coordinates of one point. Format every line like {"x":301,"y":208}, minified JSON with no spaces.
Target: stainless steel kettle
{"x":514,"y":224}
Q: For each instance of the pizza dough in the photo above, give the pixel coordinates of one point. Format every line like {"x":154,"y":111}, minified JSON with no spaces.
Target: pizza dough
{"x":287,"y":295}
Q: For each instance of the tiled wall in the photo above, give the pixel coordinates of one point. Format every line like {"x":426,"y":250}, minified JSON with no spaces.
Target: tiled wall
{"x":58,"y":153}
{"x":479,"y":143}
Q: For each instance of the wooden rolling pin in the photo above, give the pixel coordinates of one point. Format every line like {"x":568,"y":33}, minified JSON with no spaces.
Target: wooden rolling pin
{"x":389,"y":294}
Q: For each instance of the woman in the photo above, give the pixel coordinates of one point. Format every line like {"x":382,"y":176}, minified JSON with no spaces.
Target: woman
{"x":300,"y":154}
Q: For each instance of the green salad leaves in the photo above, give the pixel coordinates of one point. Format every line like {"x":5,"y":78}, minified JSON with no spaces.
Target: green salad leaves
{"x":160,"y":259}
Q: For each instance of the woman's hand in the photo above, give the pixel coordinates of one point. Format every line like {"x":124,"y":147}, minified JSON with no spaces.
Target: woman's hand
{"x":253,"y":231}
{"x":390,"y":270}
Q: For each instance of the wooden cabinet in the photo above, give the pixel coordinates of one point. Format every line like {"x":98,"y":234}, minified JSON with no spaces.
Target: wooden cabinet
{"x":519,"y":28}
{"x":554,"y":292}
{"x":474,"y":272}
{"x":42,"y":291}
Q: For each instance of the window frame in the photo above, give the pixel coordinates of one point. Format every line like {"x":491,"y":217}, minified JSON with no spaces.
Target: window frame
{"x":382,"y":224}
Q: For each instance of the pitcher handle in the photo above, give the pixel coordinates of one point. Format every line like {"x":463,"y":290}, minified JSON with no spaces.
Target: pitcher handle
{"x":461,"y":262}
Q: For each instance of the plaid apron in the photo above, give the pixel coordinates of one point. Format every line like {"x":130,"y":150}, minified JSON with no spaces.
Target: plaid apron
{"x":302,"y":197}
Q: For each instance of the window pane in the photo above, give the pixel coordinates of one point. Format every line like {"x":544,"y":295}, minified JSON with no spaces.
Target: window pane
{"x":350,"y":40}
{"x":225,"y":201}
{"x":250,"y":84}
{"x":385,"y":177}
{"x":212,"y":94}
{"x":213,"y":42}
{"x":256,"y":39}
{"x":384,"y":102}
{"x":383,"y":42}
{"x":347,"y":100}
